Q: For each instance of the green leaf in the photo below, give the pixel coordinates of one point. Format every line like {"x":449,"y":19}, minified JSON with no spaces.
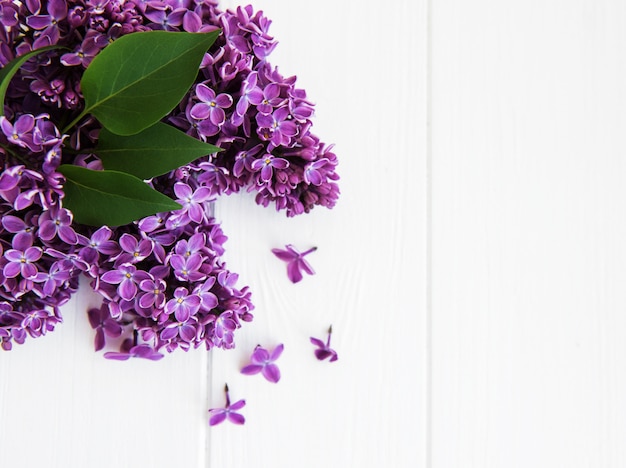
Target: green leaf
{"x":10,"y":69}
{"x":113,"y":198}
{"x":152,"y":152}
{"x":136,"y":80}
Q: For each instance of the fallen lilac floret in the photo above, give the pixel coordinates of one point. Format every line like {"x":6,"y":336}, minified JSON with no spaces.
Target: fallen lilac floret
{"x":296,"y":263}
{"x":262,"y":361}
{"x":324,"y":351}
{"x":219,"y":415}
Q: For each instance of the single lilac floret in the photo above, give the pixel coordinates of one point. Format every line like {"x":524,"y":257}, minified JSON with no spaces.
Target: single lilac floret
{"x":324,"y":350}
{"x":101,"y":321}
{"x":219,"y":415}
{"x":262,"y":361}
{"x":296,"y":262}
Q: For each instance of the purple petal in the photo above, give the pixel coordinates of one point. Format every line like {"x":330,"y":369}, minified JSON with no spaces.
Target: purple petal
{"x":322,"y":354}
{"x":238,"y":405}
{"x":251,"y":369}
{"x":57,"y":8}
{"x":285,"y":255}
{"x":112,"y":328}
{"x":68,"y":235}
{"x":208,"y":300}
{"x":182,"y":313}
{"x":191,"y":22}
{"x":218,"y":417}
{"x":11,"y":270}
{"x":280,"y":163}
{"x":128,"y":242}
{"x":113,"y":277}
{"x":127,"y":290}
{"x":236,"y":418}
{"x":99,"y":340}
{"x":271,"y":372}
{"x":224,"y":100}
{"x":117,"y":356}
{"x":306,"y":266}
{"x":39,"y":22}
{"x":288,"y":128}
{"x":217,"y":116}
{"x":169,"y":333}
{"x":28,"y":270}
{"x":200,"y":111}
{"x":205,"y":93}
{"x":182,"y":190}
{"x":94,"y":317}
{"x":260,"y":355}
{"x":33,"y":254}
{"x":266,"y":173}
{"x":293,"y":272}
{"x":312,"y":177}
{"x":277,"y":352}
{"x":177,"y":262}
{"x":13,"y":224}
{"x":271,"y":91}
{"x":146,"y":300}
{"x":265,"y":121}
{"x":187,"y":333}
{"x":317,"y":342}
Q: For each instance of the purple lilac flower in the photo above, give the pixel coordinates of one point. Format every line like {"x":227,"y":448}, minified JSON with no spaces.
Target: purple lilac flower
{"x":211,"y":106}
{"x":267,"y":164}
{"x":51,"y":280}
{"x":57,"y":222}
{"x":101,"y":321}
{"x":19,"y":133}
{"x":98,"y":243}
{"x":57,"y":11}
{"x":187,"y":268}
{"x":133,"y":250}
{"x":235,"y":70}
{"x":296,"y":263}
{"x":191,"y":200}
{"x":324,"y":350}
{"x":127,"y":277}
{"x":183,"y":305}
{"x":21,"y":259}
{"x":153,"y":293}
{"x":186,"y":330}
{"x":262,"y":361}
{"x":280,"y":127}
{"x":219,"y":415}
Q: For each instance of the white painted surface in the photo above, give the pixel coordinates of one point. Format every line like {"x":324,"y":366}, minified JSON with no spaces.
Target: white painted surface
{"x":473,"y":269}
{"x":62,"y":405}
{"x":528,"y":251}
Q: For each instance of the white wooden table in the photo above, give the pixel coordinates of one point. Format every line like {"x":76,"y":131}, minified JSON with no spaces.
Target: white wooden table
{"x":474,"y":270}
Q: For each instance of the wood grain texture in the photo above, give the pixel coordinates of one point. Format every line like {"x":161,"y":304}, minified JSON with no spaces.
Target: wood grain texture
{"x":365,"y":68}
{"x":528,"y":249}
{"x":63,"y":405}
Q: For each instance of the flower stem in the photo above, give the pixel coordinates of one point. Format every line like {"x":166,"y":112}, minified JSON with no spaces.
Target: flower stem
{"x":75,"y":121}
{"x":312,"y":249}
{"x":15,"y":155}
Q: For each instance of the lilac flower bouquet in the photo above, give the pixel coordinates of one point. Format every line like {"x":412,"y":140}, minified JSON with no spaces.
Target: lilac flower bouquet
{"x":122,"y":122}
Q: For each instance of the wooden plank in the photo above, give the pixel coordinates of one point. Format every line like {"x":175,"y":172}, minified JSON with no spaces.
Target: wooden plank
{"x":63,"y":405}
{"x":365,"y":67}
{"x":528,"y":251}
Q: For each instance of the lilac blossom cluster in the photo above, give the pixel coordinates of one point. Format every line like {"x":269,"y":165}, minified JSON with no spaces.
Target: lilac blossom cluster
{"x":161,"y":278}
{"x":39,"y":263}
